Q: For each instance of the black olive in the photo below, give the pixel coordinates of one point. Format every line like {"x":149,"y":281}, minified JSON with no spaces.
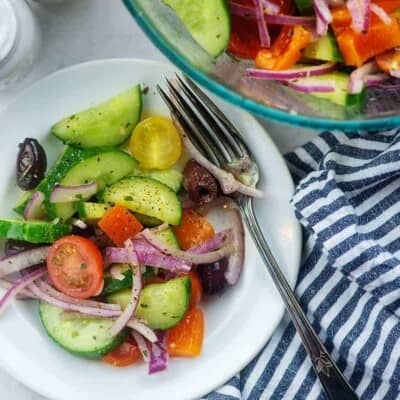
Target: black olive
{"x":213,"y":276}
{"x":31,"y":164}
{"x":201,"y":186}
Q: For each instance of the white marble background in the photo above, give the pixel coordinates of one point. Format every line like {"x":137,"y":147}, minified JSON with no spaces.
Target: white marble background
{"x":80,"y":30}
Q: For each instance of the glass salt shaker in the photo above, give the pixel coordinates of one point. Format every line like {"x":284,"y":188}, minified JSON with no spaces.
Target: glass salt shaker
{"x":19,"y":41}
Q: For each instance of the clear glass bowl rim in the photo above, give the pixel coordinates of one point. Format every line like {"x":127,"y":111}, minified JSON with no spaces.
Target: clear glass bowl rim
{"x":251,"y":105}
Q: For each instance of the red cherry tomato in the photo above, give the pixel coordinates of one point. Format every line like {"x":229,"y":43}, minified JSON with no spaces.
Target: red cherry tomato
{"x":244,"y":41}
{"x":75,"y":266}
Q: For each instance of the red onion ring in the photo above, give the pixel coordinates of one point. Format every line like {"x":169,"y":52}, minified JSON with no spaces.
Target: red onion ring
{"x":381,"y":14}
{"x":144,"y":351}
{"x":358,"y":76}
{"x":359,"y":10}
{"x":23,"y":260}
{"x":67,"y":194}
{"x":294,"y":73}
{"x":143,"y":329}
{"x":33,"y":209}
{"x":18,"y":286}
{"x":127,"y":314}
{"x":262,"y":25}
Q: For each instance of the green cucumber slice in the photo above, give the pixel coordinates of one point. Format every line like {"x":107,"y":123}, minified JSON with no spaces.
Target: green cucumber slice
{"x":76,"y":166}
{"x":85,"y":337}
{"x":170,"y":177}
{"x":32,"y":231}
{"x":208,"y":21}
{"x":161,"y":305}
{"x":107,"y":124}
{"x":92,"y":212}
{"x":324,"y":49}
{"x":145,"y":196}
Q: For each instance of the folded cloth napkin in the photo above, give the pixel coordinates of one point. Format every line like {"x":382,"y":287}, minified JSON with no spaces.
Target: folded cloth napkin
{"x":348,"y":202}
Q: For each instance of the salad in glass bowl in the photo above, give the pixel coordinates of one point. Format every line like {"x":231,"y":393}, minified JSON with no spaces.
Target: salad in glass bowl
{"x":333,"y":60}
{"x":116,"y":240}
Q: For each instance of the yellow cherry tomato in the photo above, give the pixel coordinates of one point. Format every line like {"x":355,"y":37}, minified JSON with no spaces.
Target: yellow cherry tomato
{"x":156,"y":143}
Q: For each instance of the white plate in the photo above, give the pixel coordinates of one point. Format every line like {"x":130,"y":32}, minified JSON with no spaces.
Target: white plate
{"x":238,"y":324}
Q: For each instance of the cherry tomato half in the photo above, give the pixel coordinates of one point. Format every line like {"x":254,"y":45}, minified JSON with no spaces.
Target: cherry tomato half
{"x":75,"y":266}
{"x":127,"y":353}
{"x":156,"y":143}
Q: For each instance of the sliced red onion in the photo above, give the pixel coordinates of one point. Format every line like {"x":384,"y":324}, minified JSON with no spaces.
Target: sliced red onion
{"x":227,"y":181}
{"x":23,"y":260}
{"x":46,"y":288}
{"x":148,"y":255}
{"x":159,"y":354}
{"x":270,"y":7}
{"x":358,"y":76}
{"x":18,"y":286}
{"x":306,"y":86}
{"x":33,"y":209}
{"x":24,"y":294}
{"x":141,"y":342}
{"x":294,"y":73}
{"x":381,"y":14}
{"x":79,"y":223}
{"x":216,"y":242}
{"x":235,"y":261}
{"x":375,"y":79}
{"x":116,"y":272}
{"x":359,"y":10}
{"x":143,"y":329}
{"x":105,"y":313}
{"x":262,"y":25}
{"x":67,"y":194}
{"x":127,"y":314}
{"x":145,"y":255}
{"x":324,"y":16}
{"x":187,"y":256}
{"x":274,"y":19}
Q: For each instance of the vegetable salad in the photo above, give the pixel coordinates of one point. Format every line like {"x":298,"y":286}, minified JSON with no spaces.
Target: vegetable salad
{"x":114,"y":240}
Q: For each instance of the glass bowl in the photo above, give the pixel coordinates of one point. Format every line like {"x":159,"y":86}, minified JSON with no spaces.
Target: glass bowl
{"x":225,"y":77}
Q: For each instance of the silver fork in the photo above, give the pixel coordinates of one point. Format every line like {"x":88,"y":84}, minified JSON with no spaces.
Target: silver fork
{"x":218,"y":140}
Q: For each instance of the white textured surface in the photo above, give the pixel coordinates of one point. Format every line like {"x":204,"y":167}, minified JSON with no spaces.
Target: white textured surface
{"x":82,"y":30}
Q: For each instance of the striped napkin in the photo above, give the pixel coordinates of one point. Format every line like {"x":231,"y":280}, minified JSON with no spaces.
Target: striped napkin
{"x":348,"y":202}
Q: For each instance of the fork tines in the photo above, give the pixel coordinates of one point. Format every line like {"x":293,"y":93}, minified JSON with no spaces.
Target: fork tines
{"x":204,"y":123}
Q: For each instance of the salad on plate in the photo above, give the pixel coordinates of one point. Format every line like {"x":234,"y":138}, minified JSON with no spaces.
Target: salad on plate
{"x":117,"y":240}
{"x":330,"y":49}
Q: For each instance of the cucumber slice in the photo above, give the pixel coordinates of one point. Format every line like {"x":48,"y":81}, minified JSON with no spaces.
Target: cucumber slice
{"x":145,"y":196}
{"x":208,"y":21}
{"x":92,"y":212}
{"x":341,"y":95}
{"x":170,"y":177}
{"x":107,"y":124}
{"x":162,"y":305}
{"x":114,"y":285}
{"x":77,"y":166}
{"x":147,"y":221}
{"x":324,"y":49}
{"x":32,"y":231}
{"x":84,"y":337}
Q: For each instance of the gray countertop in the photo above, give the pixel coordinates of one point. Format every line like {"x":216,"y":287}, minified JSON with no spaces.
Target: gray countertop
{"x":80,"y":30}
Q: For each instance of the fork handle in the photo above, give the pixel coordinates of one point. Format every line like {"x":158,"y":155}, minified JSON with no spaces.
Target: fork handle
{"x":334,"y":383}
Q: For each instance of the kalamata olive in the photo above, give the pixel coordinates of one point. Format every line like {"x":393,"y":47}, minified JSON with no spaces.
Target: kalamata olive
{"x":201,"y":186}
{"x":213,"y":276}
{"x":31,"y":164}
{"x":13,"y":247}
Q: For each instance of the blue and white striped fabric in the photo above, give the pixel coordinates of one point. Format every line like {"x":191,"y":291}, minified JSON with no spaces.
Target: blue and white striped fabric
{"x":348,"y":201}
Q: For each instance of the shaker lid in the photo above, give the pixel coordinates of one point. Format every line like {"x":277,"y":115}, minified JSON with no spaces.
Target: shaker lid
{"x":8,"y":28}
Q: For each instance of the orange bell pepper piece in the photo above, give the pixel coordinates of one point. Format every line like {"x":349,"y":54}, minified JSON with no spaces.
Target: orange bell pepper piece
{"x":357,"y":48}
{"x":186,"y":338}
{"x":197,"y":290}
{"x":119,"y":225}
{"x":193,"y":230}
{"x":286,"y":49}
